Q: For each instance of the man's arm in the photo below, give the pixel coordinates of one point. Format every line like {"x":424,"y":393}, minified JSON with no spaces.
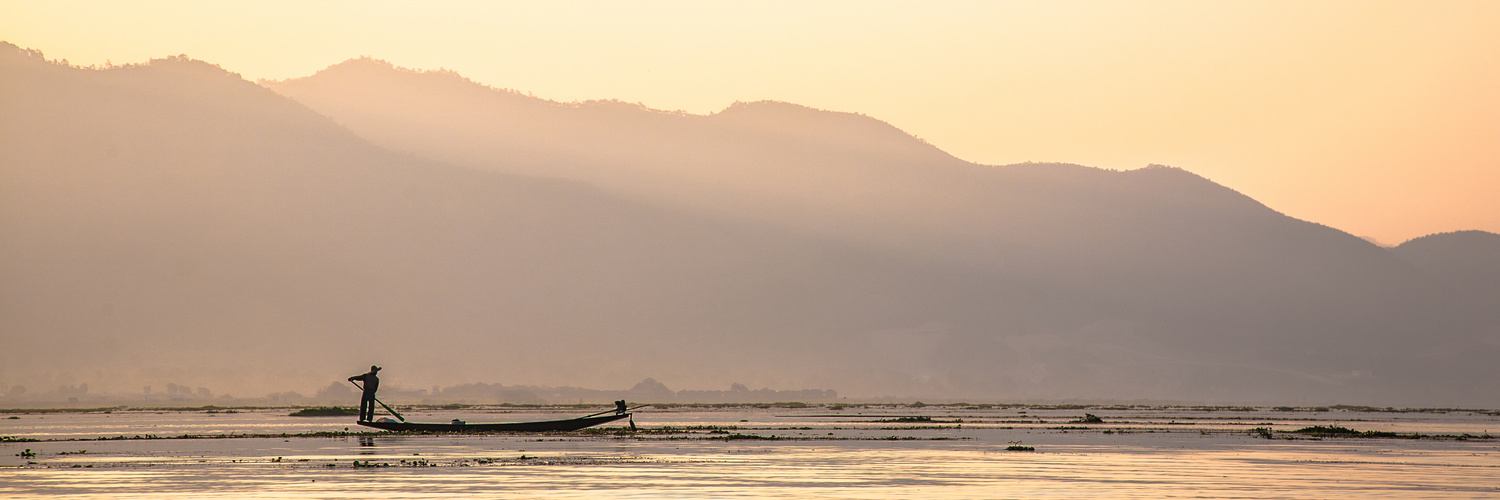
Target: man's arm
{"x":357,"y":377}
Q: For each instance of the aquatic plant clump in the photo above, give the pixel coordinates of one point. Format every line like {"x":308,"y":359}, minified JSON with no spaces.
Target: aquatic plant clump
{"x":1088,"y":418}
{"x":1337,"y":431}
{"x":325,"y":411}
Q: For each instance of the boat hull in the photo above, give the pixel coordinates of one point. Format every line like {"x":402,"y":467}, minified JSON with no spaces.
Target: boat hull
{"x":571,"y":424}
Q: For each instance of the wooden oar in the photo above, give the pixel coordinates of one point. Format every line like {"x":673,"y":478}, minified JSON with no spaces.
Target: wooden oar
{"x":377,"y":400}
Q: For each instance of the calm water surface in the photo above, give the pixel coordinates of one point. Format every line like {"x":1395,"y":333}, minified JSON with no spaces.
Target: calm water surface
{"x":857,"y":452}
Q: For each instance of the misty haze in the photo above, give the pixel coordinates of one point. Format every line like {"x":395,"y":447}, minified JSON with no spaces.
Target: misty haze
{"x":172,"y":231}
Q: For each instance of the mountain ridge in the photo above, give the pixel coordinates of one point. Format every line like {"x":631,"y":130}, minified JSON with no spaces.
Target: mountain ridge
{"x":163,"y":228}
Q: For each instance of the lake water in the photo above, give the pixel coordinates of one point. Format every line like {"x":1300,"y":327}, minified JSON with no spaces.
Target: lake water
{"x":853,"y":452}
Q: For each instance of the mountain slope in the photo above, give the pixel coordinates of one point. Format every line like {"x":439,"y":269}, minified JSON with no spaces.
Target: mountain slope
{"x":1468,"y":264}
{"x":171,"y":220}
{"x":1110,"y":234}
{"x":1159,"y":259}
{"x":774,"y":160}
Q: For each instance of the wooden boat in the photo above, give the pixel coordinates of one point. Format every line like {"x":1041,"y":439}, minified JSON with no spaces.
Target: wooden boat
{"x":571,"y":424}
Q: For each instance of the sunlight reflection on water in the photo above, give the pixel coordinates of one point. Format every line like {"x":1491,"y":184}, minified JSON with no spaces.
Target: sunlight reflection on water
{"x":1214,"y":460}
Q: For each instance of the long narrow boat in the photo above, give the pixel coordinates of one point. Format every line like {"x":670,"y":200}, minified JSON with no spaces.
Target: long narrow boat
{"x":571,"y":424}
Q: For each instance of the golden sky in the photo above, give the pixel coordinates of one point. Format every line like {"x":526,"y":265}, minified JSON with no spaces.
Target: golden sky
{"x":1378,"y":118}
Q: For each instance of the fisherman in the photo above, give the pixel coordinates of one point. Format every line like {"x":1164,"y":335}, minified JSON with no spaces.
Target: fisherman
{"x":367,"y":400}
{"x":620,"y":407}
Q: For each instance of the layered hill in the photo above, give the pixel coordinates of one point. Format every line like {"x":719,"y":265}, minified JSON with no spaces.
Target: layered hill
{"x":1190,"y":272}
{"x":1468,"y":265}
{"x":173,"y":220}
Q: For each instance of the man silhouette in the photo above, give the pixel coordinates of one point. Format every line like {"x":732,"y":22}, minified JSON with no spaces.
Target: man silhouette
{"x":367,"y":400}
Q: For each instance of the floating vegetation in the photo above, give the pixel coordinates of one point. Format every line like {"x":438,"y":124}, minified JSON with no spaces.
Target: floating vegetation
{"x":1338,"y":431}
{"x":920,"y":427}
{"x":666,"y":429}
{"x":326,"y":412}
{"x":62,"y":410}
{"x":761,"y":406}
{"x":919,"y":419}
{"x":1323,"y":431}
{"x":142,"y":437}
{"x":1088,"y":418}
{"x":609,"y":431}
{"x":907,"y":419}
{"x":753,"y":437}
{"x":1017,"y":447}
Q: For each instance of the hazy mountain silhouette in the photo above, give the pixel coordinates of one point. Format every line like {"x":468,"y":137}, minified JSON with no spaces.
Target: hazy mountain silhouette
{"x":764,"y":160}
{"x":1467,"y":260}
{"x":172,"y":219}
{"x":1468,"y":263}
{"x":1180,"y":266}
